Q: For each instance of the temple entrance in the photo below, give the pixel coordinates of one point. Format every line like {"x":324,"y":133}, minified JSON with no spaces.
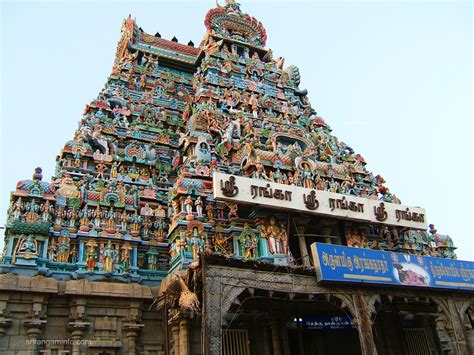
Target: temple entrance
{"x":405,"y":326}
{"x":288,"y":326}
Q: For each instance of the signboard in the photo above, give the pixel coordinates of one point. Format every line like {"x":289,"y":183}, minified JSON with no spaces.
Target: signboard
{"x":324,"y":322}
{"x":357,"y":265}
{"x":270,"y":194}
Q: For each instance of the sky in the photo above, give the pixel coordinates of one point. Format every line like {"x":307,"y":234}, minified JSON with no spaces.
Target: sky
{"x":394,"y":80}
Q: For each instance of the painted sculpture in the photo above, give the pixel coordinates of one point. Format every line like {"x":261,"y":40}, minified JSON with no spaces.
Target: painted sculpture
{"x":133,"y":188}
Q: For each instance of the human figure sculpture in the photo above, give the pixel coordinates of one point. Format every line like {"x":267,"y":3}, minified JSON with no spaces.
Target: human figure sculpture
{"x":188,"y":204}
{"x":91,"y":255}
{"x":126,"y":248}
{"x":28,"y":245}
{"x":109,"y":256}
{"x":63,"y":250}
{"x":198,"y":204}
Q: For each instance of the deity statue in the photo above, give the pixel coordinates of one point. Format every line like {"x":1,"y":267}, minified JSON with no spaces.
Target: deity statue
{"x":17,"y":209}
{"x":152,"y":259}
{"x":159,"y":226}
{"x":60,"y":214}
{"x":253,"y":102}
{"x":221,"y":245}
{"x":31,"y":209}
{"x":283,"y":239}
{"x":110,"y":218}
{"x":47,"y":212}
{"x":109,"y":257}
{"x":124,"y":219}
{"x":196,"y":242}
{"x":97,"y":215}
{"x":233,"y":210}
{"x":146,"y":210}
{"x":28,"y":246}
{"x":73,"y":254}
{"x":52,"y":250}
{"x":198,"y":204}
{"x":91,"y":255}
{"x":160,"y":212}
{"x":306,"y":175}
{"x":135,"y":224}
{"x":270,"y":233}
{"x":100,"y":168}
{"x":114,"y":170}
{"x":126,"y":248}
{"x":67,"y":188}
{"x":259,"y":172}
{"x":188,"y":204}
{"x":248,"y":243}
{"x":62,"y":255}
{"x":72,"y":216}
{"x":84,"y":219}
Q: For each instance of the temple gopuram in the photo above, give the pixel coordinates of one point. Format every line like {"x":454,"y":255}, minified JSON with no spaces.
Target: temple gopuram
{"x":203,"y":207}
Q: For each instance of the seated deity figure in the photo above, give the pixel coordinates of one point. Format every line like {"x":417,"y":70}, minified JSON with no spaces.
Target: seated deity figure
{"x":28,"y":245}
{"x":67,"y":188}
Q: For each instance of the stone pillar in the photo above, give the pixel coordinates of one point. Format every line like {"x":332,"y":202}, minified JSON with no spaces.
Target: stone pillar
{"x":459,"y":337}
{"x":266,"y":341}
{"x":213,"y":314}
{"x":175,"y":334}
{"x":284,"y":339}
{"x":34,"y":328}
{"x":364,"y":325}
{"x":276,"y":334}
{"x":184,"y":341}
{"x":77,"y":330}
{"x":132,"y":331}
{"x":300,"y":224}
{"x":326,"y":230}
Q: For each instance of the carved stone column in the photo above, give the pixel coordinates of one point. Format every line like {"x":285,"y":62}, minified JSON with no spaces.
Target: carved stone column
{"x":213,"y":315}
{"x":34,"y":328}
{"x":175,"y":335}
{"x":300,"y":225}
{"x":267,"y":350}
{"x":184,"y":341}
{"x":327,"y":233}
{"x":459,"y":338}
{"x":284,"y":339}
{"x":276,"y":335}
{"x":364,"y":324}
{"x":77,"y":329}
{"x":132,"y":331}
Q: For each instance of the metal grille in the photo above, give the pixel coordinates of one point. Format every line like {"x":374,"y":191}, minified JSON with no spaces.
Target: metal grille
{"x":417,"y":341}
{"x":235,"y":342}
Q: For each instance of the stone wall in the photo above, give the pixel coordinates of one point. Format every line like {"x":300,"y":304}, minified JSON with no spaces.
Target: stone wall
{"x":43,"y":315}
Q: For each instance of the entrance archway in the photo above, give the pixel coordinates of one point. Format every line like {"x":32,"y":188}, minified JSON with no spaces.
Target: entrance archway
{"x":283,"y":323}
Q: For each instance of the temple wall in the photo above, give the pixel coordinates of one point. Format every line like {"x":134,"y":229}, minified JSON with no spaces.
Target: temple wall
{"x":40,"y":315}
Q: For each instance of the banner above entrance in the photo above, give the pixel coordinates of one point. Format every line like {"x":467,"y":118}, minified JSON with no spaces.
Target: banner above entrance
{"x":270,"y":194}
{"x":358,"y":265}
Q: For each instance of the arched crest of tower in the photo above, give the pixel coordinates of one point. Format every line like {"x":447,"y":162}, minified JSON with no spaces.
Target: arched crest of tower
{"x":230,"y":22}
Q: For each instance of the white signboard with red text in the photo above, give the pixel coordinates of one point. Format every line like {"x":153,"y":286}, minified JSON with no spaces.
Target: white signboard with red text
{"x":269,"y":194}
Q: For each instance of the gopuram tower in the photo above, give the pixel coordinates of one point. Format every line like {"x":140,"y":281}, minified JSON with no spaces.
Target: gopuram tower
{"x":196,"y":208}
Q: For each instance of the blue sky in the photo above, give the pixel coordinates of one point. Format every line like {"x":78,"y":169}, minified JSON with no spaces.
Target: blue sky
{"x":394,"y":80}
